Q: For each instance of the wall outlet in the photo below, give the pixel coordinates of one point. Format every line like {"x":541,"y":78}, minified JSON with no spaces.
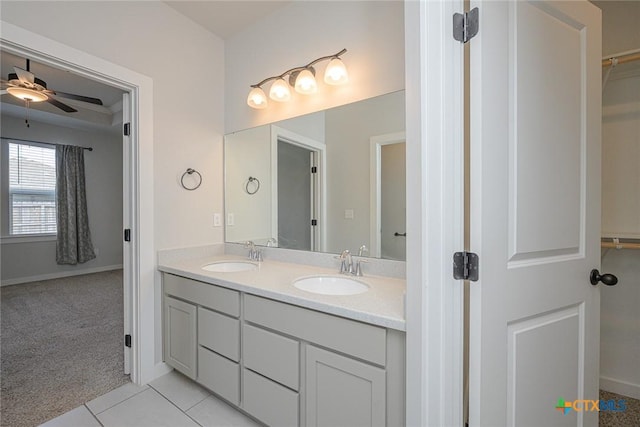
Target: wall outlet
{"x":217,"y":220}
{"x":348,"y":214}
{"x":231,"y":220}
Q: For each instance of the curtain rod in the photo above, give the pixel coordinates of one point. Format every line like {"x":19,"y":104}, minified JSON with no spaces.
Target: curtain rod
{"x":40,"y":142}
{"x":621,"y":58}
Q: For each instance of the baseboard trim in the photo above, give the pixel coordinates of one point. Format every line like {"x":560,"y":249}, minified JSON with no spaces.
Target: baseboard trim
{"x":59,"y":275}
{"x":620,"y":387}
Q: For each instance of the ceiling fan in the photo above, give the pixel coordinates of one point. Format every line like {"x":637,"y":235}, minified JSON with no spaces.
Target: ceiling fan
{"x":24,"y":85}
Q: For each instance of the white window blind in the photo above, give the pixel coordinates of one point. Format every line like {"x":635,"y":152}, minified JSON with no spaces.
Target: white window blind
{"x":32,"y":189}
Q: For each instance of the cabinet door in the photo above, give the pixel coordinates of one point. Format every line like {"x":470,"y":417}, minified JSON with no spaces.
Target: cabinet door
{"x":342,"y":391}
{"x":180,"y":336}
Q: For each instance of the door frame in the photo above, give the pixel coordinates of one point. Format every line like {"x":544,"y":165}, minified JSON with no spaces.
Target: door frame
{"x":435,"y":213}
{"x":319,"y":234}
{"x":140,"y":263}
{"x":375,"y":187}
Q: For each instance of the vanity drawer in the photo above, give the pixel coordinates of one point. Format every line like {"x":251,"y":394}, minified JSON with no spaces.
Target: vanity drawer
{"x":271,"y":355}
{"x":211,"y":296}
{"x":219,"y":375}
{"x":219,"y":333}
{"x":355,"y":338}
{"x":268,"y":401}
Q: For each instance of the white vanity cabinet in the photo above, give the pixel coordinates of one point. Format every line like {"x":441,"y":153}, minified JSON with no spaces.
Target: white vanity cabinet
{"x":351,"y":373}
{"x":180,"y":336}
{"x":211,"y":337}
{"x":283,"y":364}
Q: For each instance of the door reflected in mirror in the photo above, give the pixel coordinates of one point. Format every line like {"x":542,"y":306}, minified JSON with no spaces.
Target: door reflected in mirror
{"x":327,"y":181}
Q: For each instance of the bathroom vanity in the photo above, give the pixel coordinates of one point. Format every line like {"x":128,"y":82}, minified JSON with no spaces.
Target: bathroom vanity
{"x":285,"y":356}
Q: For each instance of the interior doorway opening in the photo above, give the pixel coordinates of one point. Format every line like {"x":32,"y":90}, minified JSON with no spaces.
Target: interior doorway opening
{"x":23,"y":43}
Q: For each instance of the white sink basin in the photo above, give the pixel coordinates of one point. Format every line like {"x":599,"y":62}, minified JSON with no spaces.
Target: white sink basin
{"x":230,"y":266}
{"x":331,"y":285}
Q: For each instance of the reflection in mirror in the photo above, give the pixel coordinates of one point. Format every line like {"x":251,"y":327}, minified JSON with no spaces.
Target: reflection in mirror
{"x":326,"y":181}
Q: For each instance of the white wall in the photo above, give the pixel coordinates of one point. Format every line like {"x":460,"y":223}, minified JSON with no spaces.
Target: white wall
{"x":152,"y":39}
{"x":103,"y":170}
{"x":155,"y":40}
{"x":348,"y":132}
{"x":371,"y":31}
{"x":620,"y":322}
{"x":620,"y":319}
{"x":248,"y":154}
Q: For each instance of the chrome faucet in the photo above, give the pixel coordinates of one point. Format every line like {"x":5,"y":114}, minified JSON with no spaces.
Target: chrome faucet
{"x":348,"y":266}
{"x":254,"y":254}
{"x":346,"y":262}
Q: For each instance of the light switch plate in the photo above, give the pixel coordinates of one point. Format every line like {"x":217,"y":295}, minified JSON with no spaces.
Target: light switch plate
{"x":217,"y":220}
{"x":230,"y":219}
{"x":348,"y":214}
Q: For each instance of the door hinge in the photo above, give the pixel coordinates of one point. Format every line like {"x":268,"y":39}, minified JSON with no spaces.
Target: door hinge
{"x":465,"y":266}
{"x":127,"y":340}
{"x":127,"y":129}
{"x":127,"y":234}
{"x":465,"y":25}
{"x":314,"y":169}
{"x":314,"y":222}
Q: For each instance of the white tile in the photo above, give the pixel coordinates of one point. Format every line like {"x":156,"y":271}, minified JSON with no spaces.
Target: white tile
{"x":106,"y":401}
{"x":214,"y":412}
{"x":76,"y":417}
{"x":183,"y":392}
{"x":145,"y":409}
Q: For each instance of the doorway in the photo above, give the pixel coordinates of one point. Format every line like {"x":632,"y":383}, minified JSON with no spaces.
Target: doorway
{"x":388,"y":196}
{"x":296,"y":196}
{"x":298,"y":199}
{"x":138,"y":253}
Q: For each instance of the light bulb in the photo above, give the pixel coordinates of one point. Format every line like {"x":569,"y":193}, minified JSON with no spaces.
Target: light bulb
{"x":257,"y":98}
{"x":336,"y":73}
{"x":280,"y":91}
{"x":306,"y":82}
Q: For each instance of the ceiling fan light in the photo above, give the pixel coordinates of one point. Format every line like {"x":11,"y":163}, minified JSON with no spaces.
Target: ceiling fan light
{"x":280,"y":91}
{"x":26,"y":94}
{"x":257,"y":98}
{"x":336,"y":72}
{"x":306,"y":82}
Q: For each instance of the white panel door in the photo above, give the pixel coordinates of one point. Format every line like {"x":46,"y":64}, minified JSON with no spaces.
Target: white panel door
{"x":535,"y":212}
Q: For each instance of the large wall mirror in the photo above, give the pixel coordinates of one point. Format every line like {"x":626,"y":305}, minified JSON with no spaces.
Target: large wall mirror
{"x":326,"y":181}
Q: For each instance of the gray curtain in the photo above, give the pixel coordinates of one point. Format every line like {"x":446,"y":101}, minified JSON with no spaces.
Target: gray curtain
{"x":74,"y":244}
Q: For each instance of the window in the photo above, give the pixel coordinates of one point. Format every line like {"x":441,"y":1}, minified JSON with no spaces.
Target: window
{"x":32,"y":189}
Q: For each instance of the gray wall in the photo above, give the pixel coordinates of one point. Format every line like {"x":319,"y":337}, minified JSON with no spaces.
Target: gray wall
{"x":348,"y":132}
{"x":103,"y":167}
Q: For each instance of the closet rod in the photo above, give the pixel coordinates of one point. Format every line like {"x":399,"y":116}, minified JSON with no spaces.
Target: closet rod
{"x":39,"y":142}
{"x":630,"y":57}
{"x":620,"y":245}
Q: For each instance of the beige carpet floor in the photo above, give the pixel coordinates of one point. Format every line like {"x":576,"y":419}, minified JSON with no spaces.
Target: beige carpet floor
{"x":60,"y":345}
{"x":630,"y":417}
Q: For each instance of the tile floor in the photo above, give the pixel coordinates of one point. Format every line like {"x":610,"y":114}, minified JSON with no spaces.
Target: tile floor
{"x":171,"y":400}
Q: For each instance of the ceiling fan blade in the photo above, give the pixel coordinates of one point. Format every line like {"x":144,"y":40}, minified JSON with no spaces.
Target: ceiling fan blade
{"x":78,"y":97}
{"x":24,"y":76}
{"x":60,"y":105}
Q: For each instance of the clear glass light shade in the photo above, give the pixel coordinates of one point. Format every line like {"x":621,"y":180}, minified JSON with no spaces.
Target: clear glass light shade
{"x":336,"y":73}
{"x":257,"y":98}
{"x":280,"y":91}
{"x":27,"y":94}
{"x":306,"y":83}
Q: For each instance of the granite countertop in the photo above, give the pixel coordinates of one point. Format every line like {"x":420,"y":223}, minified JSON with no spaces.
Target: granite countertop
{"x":383,"y":304}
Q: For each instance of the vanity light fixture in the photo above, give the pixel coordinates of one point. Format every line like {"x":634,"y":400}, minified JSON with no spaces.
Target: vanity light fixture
{"x":302,"y":79}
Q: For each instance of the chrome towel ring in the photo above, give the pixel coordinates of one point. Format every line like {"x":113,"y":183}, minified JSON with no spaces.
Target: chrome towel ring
{"x":191,"y":172}
{"x":256,"y":185}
